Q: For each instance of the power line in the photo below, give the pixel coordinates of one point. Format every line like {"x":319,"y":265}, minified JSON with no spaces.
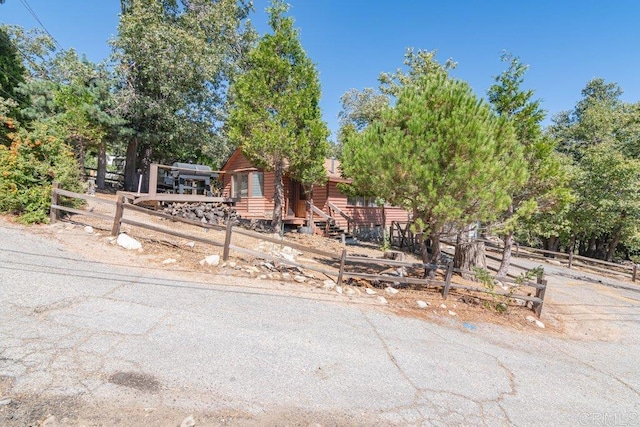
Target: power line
{"x":33,"y":13}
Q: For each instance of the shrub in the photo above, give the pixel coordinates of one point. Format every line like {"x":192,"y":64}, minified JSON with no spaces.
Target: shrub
{"x":30,"y":161}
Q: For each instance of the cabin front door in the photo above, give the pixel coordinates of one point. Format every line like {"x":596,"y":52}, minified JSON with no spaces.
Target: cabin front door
{"x":297,"y":200}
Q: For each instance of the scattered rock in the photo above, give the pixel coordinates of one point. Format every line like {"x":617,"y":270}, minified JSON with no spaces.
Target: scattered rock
{"x":382,"y":300}
{"x":299,"y":279}
{"x":88,"y":229}
{"x":370,"y":291}
{"x":394,"y":255}
{"x":349,"y":291}
{"x":530,"y":319}
{"x":169,"y":261}
{"x":286,"y":276}
{"x":191,"y":244}
{"x":5,"y":402}
{"x":128,"y":242}
{"x":232,"y":264}
{"x":252,"y":269}
{"x":188,"y":422}
{"x":443,"y":306}
{"x":391,"y":291}
{"x":268,"y":265}
{"x":262,"y":276}
{"x":539,"y":324}
{"x":339,"y":289}
{"x":452,"y":313}
{"x":328,"y":284}
{"x":422,"y":304}
{"x":212,"y":260}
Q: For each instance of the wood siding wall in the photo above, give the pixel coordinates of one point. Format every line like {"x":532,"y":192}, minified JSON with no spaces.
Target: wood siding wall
{"x":362,"y":216}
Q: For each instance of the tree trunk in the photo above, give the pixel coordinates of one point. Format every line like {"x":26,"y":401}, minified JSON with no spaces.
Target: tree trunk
{"x":147,"y":159}
{"x":432,"y":256}
{"x":278,"y":198}
{"x":102,"y":166}
{"x":612,"y":246}
{"x":506,"y":255}
{"x":130,"y":168}
{"x":469,"y":254}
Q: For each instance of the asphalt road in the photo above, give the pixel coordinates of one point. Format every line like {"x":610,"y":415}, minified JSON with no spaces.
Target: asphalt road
{"x":235,"y":351}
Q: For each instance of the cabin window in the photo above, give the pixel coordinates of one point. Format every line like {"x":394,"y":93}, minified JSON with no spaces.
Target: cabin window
{"x":257,"y":184}
{"x":364,"y":201}
{"x":240,"y":185}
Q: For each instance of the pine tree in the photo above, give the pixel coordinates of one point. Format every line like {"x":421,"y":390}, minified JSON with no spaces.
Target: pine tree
{"x":275,"y":117}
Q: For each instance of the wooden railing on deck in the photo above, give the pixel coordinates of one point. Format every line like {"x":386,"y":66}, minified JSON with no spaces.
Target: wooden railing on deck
{"x":334,"y":208}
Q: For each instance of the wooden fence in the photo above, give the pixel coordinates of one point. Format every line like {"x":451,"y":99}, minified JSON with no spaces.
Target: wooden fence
{"x":344,"y":261}
{"x":401,"y":237}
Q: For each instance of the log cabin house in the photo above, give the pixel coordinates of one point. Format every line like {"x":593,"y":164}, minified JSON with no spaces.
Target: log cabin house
{"x":331,"y":211}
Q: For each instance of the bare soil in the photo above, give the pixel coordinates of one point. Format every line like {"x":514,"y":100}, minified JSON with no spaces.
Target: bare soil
{"x":162,"y":251}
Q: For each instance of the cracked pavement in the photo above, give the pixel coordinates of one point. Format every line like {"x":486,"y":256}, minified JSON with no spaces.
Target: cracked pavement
{"x":142,"y":339}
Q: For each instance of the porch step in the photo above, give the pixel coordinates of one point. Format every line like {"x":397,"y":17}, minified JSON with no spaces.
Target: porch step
{"x":335,"y":231}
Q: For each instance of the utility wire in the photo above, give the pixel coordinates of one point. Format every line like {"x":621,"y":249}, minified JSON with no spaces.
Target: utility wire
{"x":33,"y":13}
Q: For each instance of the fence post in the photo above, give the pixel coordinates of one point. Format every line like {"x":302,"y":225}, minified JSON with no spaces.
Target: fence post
{"x":635,"y":272}
{"x":540,"y":294}
{"x":342,"y":259}
{"x":115,"y":230}
{"x":227,"y":240}
{"x":570,"y":258}
{"x":55,"y":199}
{"x":447,"y":280}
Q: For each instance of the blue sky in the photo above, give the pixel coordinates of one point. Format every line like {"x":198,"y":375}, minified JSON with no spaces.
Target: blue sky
{"x":566,"y":43}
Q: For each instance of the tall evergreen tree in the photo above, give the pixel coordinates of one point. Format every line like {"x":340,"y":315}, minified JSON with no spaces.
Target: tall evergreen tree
{"x":547,"y":186}
{"x":441,"y":153}
{"x":276,"y":118}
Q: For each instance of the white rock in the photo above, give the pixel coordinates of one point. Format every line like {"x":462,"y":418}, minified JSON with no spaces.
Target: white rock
{"x":88,"y":229}
{"x":212,"y":260}
{"x":262,"y":276}
{"x":232,"y":264}
{"x":191,"y":244}
{"x":452,"y":313}
{"x":422,"y":304}
{"x":370,"y":291}
{"x":299,"y":279}
{"x":286,"y":276}
{"x":5,"y":402}
{"x":391,"y":290}
{"x":268,"y":265}
{"x":128,"y":242}
{"x":339,"y":289}
{"x":252,"y":269}
{"x":328,"y":284}
{"x":382,"y":300}
{"x":169,"y":261}
{"x":530,"y":319}
{"x":188,"y":422}
{"x":539,"y":324}
{"x":443,"y":306}
{"x":50,"y":421}
{"x":349,"y":291}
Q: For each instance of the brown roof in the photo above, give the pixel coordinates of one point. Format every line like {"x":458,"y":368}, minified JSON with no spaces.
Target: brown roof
{"x":334,"y":173}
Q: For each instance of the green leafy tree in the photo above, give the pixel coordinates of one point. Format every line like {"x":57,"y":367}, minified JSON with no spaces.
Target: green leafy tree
{"x":12,"y":74}
{"x":29,"y":165}
{"x":276,"y":118}
{"x":441,"y":153}
{"x":601,"y":135}
{"x":547,"y":186}
{"x":608,"y":201}
{"x":176,"y":59}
